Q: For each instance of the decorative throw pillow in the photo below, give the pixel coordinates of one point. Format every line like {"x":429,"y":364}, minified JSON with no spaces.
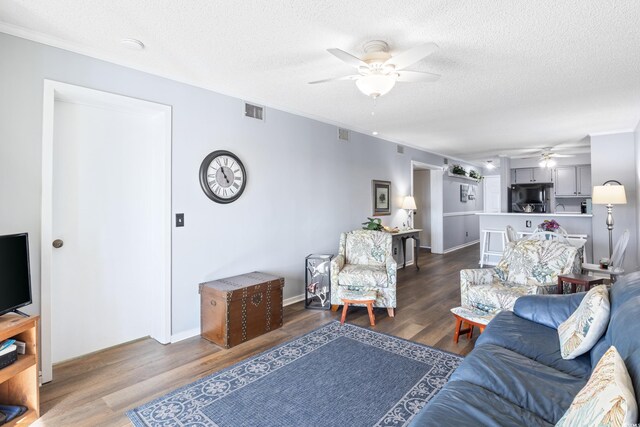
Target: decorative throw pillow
{"x":607,"y":399}
{"x":582,"y":330}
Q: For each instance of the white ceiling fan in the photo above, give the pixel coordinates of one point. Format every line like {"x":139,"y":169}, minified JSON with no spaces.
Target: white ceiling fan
{"x":378,"y":70}
{"x":546,"y":157}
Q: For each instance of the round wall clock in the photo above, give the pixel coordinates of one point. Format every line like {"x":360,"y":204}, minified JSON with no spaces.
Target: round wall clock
{"x":222,"y":176}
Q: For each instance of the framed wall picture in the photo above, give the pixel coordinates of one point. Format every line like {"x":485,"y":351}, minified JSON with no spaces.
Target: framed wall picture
{"x":381,"y":194}
{"x":464,"y":192}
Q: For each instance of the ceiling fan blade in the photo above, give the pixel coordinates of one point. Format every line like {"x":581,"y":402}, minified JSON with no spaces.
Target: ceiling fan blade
{"x":417,"y":76}
{"x":411,"y":56}
{"x":347,"y":57}
{"x":334,"y":79}
{"x":561,"y":155}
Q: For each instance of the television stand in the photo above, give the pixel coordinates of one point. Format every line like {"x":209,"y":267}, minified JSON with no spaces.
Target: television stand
{"x":21,"y":313}
{"x":19,"y":381}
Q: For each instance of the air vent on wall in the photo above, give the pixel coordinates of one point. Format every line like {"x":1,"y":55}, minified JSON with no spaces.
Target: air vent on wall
{"x":400,"y":149}
{"x":254,"y":111}
{"x":343,"y":134}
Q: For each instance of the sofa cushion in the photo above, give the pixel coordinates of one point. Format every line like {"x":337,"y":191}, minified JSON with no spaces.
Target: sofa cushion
{"x":582,"y":330}
{"x":359,"y":276}
{"x":533,"y":262}
{"x":531,"y":385}
{"x":547,"y":310}
{"x":461,"y":403}
{"x":541,"y":344}
{"x":607,"y":398}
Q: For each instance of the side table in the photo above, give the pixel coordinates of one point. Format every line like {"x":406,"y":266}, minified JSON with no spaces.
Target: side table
{"x":577,"y":279}
{"x":317,"y":281}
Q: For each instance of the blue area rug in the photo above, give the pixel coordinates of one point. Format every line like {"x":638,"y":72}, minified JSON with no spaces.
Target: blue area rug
{"x":335,"y":375}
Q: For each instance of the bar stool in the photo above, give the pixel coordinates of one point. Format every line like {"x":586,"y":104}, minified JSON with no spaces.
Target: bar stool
{"x":485,"y":247}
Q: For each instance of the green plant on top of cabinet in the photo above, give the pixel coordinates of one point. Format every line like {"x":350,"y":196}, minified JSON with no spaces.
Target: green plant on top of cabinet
{"x":573,"y":181}
{"x":531,"y":175}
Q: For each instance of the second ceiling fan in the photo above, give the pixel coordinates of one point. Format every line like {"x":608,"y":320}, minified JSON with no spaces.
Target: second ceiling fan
{"x":378,"y":70}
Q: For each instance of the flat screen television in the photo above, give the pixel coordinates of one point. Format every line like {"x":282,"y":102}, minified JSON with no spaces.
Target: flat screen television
{"x":15,"y":278}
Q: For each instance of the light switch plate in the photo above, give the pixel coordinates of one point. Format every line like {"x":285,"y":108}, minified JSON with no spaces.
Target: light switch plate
{"x":180,"y":220}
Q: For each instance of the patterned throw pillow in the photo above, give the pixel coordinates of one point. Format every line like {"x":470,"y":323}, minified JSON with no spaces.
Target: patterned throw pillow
{"x":582,"y":330}
{"x":607,"y":399}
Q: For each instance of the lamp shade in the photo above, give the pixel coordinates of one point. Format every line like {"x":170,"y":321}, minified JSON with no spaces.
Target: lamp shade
{"x":375,"y":85}
{"x":609,"y":195}
{"x":409,"y":203}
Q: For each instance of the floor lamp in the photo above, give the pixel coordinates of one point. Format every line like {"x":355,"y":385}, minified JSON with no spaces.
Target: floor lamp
{"x":409,"y":203}
{"x":610,"y":193}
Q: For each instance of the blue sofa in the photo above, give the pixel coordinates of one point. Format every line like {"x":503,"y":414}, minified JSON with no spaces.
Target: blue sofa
{"x":515,"y":374}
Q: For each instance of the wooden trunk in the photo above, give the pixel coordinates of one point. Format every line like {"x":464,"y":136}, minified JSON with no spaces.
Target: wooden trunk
{"x":237,"y":309}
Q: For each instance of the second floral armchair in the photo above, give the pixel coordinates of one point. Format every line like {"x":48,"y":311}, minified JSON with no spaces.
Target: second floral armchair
{"x":527,"y":267}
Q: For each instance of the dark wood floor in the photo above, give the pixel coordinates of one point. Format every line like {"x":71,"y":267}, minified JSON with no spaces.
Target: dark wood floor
{"x":99,"y":388}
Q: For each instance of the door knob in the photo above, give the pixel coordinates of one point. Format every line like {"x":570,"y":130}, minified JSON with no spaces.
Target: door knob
{"x":57,"y":243}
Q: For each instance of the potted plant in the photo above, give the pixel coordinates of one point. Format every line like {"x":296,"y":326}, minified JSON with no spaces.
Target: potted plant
{"x":475,"y":175}
{"x":458,"y":170}
{"x":374,"y":224}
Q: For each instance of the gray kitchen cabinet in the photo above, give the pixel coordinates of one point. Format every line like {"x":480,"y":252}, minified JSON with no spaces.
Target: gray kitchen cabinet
{"x":573,"y":181}
{"x":531,"y":175}
{"x":583,"y":174}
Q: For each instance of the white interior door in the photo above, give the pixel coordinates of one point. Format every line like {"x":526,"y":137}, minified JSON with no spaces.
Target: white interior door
{"x":104,"y":204}
{"x":106,"y":194}
{"x":491,"y":193}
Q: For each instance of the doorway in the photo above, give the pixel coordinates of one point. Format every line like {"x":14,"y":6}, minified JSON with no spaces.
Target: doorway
{"x":492,"y":199}
{"x":106,"y":222}
{"x":426,"y":188}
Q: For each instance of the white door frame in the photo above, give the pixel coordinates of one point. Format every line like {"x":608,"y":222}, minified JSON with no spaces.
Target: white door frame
{"x":53,"y":91}
{"x":436,"y":203}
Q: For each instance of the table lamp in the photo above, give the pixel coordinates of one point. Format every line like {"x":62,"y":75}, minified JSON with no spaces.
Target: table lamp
{"x":409,"y":203}
{"x":610,"y":193}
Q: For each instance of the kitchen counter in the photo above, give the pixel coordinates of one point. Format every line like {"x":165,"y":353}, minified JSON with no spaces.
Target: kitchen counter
{"x":547,"y":215}
{"x":573,"y":222}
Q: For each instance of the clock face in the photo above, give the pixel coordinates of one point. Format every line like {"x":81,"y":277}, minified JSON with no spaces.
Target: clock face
{"x":222,"y":176}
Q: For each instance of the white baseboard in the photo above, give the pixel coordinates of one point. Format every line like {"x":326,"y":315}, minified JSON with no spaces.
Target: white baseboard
{"x":293,"y":300}
{"x":185,"y":334}
{"x":455,"y":248}
{"x":408,"y":264}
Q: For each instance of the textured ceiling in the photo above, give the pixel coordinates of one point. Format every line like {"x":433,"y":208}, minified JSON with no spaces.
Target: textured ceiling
{"x":515,"y":74}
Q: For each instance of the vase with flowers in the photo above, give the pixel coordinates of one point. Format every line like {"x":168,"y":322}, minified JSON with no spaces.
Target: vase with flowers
{"x":549,"y":225}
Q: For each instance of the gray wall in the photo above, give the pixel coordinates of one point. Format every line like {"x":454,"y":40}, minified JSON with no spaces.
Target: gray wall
{"x":304,"y":186}
{"x":460,"y":228}
{"x":505,"y":182}
{"x":613,"y":157}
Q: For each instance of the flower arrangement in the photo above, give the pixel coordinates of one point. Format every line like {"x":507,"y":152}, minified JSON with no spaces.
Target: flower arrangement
{"x":549,"y":225}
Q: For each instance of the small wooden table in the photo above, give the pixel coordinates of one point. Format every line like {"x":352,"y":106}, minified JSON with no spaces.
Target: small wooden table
{"x":403,"y":236}
{"x":465,"y":316}
{"x":354,"y":297}
{"x":577,"y":279}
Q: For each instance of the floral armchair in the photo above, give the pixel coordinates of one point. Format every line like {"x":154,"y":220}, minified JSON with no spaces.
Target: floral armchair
{"x":364,"y":263}
{"x":527,"y":267}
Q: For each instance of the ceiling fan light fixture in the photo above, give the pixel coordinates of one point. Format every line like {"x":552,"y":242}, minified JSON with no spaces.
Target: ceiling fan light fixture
{"x":375,"y":85}
{"x":547,"y":162}
{"x":490,"y":165}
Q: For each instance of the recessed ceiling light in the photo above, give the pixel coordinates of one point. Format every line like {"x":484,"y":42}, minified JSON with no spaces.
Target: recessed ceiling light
{"x":133,"y":44}
{"x":374,"y":133}
{"x":490,"y":164}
